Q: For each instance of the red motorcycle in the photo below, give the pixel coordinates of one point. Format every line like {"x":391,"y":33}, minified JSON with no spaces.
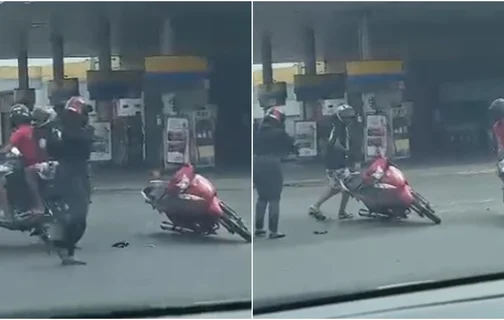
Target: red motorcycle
{"x":385,"y":192}
{"x":191,"y":204}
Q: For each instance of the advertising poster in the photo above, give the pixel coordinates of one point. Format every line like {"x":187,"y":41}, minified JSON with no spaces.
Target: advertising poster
{"x":177,"y":140}
{"x":400,"y":131}
{"x":169,"y":104}
{"x":102,"y":142}
{"x":305,"y":136}
{"x":376,"y":135}
{"x":204,"y":138}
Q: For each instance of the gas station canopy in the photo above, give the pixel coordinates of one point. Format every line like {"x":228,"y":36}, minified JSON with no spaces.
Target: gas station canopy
{"x":134,"y":25}
{"x":407,"y":27}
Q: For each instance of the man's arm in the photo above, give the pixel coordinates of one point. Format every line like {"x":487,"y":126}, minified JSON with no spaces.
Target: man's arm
{"x":14,"y":141}
{"x":334,"y":141}
{"x":290,"y":144}
{"x":7,"y":148}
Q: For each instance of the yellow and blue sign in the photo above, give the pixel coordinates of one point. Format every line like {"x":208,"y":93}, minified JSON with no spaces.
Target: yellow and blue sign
{"x":319,"y":86}
{"x":273,"y":94}
{"x":60,"y":92}
{"x":176,"y":71}
{"x":372,"y":72}
{"x":108,"y":85}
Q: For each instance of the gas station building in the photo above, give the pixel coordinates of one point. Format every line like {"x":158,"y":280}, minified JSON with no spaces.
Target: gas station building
{"x":181,"y":89}
{"x":423,"y":73}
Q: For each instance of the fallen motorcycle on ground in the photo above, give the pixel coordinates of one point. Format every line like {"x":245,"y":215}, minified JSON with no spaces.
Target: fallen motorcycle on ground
{"x":385,"y":192}
{"x":191,"y":204}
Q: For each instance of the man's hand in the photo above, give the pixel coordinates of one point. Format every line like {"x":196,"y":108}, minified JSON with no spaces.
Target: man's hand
{"x":7,"y":148}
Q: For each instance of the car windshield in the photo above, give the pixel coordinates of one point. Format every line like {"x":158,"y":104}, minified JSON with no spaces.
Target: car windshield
{"x":421,"y":86}
{"x":169,"y":83}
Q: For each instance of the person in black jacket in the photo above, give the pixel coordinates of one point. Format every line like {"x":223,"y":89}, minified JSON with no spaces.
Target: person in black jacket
{"x":271,"y":143}
{"x":69,"y":141}
{"x":337,"y":161}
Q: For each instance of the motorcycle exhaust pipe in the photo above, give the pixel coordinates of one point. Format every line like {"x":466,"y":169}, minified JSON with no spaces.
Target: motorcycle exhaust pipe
{"x":7,"y":225}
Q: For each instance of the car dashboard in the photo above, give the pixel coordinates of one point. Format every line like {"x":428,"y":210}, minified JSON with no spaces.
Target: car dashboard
{"x":482,"y":300}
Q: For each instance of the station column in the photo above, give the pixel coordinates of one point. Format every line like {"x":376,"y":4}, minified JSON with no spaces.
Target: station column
{"x":23,"y":94}
{"x":266,"y":58}
{"x":310,"y":108}
{"x":104,"y":108}
{"x":23,"y":76}
{"x":104,"y":46}
{"x":364,"y":38}
{"x":58,"y":56}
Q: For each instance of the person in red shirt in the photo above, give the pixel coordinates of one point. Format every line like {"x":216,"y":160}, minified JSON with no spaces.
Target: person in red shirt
{"x":496,"y":111}
{"x":181,"y":180}
{"x":24,"y":140}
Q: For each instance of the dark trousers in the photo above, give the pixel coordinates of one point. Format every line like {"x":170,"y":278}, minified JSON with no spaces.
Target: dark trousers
{"x":75,"y":180}
{"x":268,"y":182}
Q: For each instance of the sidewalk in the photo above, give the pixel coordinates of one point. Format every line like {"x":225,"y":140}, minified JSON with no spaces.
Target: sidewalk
{"x":311,"y":173}
{"x":122,"y":180}
{"x":295,"y":174}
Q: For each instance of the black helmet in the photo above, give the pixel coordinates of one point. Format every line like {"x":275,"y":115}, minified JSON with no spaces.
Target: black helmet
{"x":496,"y":109}
{"x":345,"y":112}
{"x":19,"y":114}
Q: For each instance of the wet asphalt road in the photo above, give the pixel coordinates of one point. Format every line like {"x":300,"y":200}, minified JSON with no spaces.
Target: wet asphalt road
{"x":157,"y":268}
{"x":366,"y":254}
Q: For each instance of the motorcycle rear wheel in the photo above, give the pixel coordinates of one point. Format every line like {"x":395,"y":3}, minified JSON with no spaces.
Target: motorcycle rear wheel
{"x":234,"y":223}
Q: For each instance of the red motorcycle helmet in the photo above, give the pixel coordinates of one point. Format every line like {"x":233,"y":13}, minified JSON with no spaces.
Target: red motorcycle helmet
{"x":275,"y":113}
{"x":76,"y":111}
{"x":78,"y":105}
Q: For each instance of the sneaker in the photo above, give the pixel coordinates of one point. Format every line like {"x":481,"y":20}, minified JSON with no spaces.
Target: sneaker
{"x":260,"y":233}
{"x":72,"y":261}
{"x":345,"y":215}
{"x":316,"y":213}
{"x":276,"y":235}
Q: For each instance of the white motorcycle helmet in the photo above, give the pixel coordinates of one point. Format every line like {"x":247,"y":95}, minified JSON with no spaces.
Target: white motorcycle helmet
{"x":42,"y":115}
{"x":345,"y":112}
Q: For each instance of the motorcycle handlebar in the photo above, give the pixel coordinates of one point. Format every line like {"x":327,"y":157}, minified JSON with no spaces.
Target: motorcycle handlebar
{"x":4,"y":156}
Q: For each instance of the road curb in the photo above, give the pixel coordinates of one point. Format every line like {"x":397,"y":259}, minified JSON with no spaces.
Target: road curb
{"x":313,"y":182}
{"x":115,"y":189}
{"x":301,"y":183}
{"x":133,"y":189}
{"x":309,"y":182}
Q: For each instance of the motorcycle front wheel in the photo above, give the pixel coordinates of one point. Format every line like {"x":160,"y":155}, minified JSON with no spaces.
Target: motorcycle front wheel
{"x":234,"y":223}
{"x":423,"y":208}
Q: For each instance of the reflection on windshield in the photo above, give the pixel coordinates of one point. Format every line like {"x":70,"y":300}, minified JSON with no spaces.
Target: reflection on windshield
{"x":91,"y":132}
{"x":394,"y":173}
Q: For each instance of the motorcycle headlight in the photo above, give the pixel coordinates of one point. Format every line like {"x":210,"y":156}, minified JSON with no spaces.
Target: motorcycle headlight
{"x":144,"y":195}
{"x":378,"y":173}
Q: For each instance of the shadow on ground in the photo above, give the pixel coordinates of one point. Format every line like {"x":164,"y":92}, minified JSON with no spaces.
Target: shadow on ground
{"x":170,"y":238}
